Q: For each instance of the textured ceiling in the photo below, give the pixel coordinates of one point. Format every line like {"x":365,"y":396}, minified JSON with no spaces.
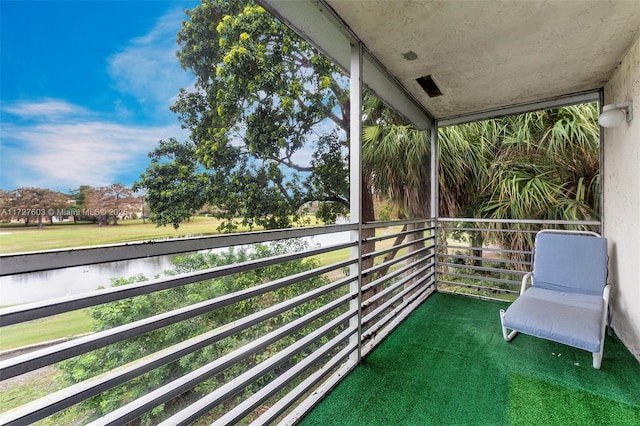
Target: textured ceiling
{"x":489,"y":54}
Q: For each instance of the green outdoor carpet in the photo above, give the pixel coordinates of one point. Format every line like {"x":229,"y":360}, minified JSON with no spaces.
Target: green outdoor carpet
{"x":448,"y":364}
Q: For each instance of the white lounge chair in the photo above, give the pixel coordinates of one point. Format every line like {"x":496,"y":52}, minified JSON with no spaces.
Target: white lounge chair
{"x":568,"y":300}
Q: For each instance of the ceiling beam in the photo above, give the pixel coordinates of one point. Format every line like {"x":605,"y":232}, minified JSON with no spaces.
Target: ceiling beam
{"x":545,"y":104}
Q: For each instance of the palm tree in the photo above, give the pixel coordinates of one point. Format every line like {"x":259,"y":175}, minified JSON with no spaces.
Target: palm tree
{"x":396,"y":157}
{"x":540,"y":165}
{"x":398,"y":161}
{"x":546,"y":167}
{"x":465,"y":154}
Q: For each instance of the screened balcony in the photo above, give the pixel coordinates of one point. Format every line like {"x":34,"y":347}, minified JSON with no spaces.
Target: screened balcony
{"x":285,"y":341}
{"x":445,"y":63}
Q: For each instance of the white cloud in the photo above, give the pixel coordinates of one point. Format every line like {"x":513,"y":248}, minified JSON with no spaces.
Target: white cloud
{"x":68,"y":152}
{"x":45,"y":109}
{"x":148,"y":67}
{"x":51,"y":143}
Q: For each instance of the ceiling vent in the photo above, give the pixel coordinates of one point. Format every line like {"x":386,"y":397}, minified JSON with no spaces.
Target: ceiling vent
{"x":429,"y":86}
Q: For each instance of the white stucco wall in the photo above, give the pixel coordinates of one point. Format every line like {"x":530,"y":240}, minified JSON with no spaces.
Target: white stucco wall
{"x":622,"y":201}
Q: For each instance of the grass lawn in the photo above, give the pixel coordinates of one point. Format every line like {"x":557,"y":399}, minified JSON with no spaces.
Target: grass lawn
{"x":39,"y":383}
{"x":20,"y":239}
{"x":42,"y":330}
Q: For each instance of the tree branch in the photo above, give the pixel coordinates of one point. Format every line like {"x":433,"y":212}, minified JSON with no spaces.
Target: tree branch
{"x":335,"y":199}
{"x":287,"y":162}
{"x":284,"y":192}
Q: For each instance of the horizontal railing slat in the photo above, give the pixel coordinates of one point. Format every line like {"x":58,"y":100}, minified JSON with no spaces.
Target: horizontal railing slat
{"x":175,"y":388}
{"x":390,"y":289}
{"x":469,"y":248}
{"x":367,"y":318}
{"x":373,"y":330}
{"x":41,"y":358}
{"x":77,"y":393}
{"x":481,"y":287}
{"x":454,"y":266}
{"x":18,"y":263}
{"x":399,"y":246}
{"x":244,"y":408}
{"x":395,"y":260}
{"x":377,"y":282}
{"x":397,"y":234}
{"x":281,"y":406}
{"x":520,"y":221}
{"x":482,"y":259}
{"x":384,"y":224}
{"x":17,"y":314}
{"x":472,"y":295}
{"x":203,"y":405}
{"x":482,"y":278}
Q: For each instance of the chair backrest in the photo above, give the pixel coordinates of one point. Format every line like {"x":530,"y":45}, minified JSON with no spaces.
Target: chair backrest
{"x":575,"y":263}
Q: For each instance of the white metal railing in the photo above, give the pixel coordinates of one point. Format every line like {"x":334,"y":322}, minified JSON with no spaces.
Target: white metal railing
{"x":310,"y":333}
{"x":486,"y":258}
{"x":327,"y":326}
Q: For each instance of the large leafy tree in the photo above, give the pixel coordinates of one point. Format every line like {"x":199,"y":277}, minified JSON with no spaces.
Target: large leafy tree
{"x":31,"y":204}
{"x":112,"y":201}
{"x":268,"y":124}
{"x":79,"y":195}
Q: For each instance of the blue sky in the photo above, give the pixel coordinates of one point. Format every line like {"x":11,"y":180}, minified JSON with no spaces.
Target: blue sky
{"x":85,"y":89}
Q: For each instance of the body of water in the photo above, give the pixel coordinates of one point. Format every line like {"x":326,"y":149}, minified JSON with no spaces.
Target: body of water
{"x":46,"y":285}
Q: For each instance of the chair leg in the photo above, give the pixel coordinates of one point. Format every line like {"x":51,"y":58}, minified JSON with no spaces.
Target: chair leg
{"x":507,"y":336}
{"x":597,"y":358}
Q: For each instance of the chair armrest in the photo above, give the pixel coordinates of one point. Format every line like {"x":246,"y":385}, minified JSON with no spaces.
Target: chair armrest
{"x":527,"y":277}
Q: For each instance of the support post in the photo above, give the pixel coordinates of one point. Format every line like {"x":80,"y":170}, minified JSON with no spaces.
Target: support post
{"x":603,"y":175}
{"x":434,"y":205}
{"x":355,"y":185}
